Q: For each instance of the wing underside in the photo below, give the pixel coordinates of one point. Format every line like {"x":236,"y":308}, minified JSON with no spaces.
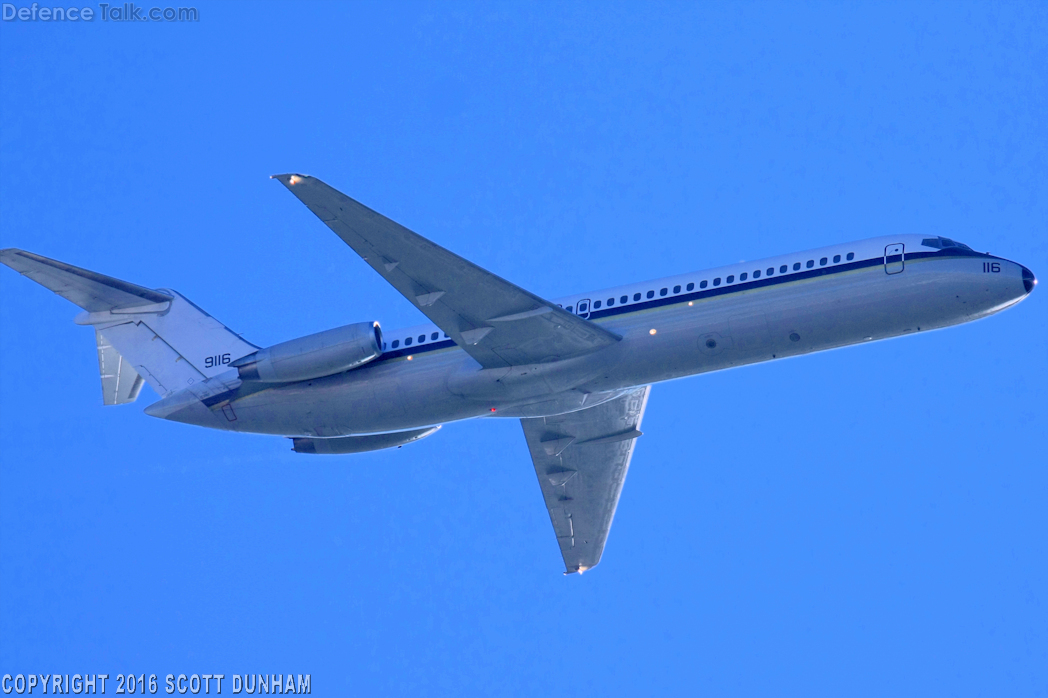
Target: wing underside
{"x":581,"y":459}
{"x":497,"y":323}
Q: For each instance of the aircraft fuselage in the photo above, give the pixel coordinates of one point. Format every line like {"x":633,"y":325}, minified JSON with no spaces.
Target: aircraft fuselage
{"x":577,"y":371}
{"x":670,"y":328}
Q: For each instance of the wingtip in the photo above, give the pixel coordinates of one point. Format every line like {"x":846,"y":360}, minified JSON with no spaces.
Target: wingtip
{"x":580,"y":569}
{"x":290,"y":178}
{"x":8,"y":255}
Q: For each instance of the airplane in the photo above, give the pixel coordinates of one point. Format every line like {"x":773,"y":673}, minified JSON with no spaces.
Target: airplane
{"x":576,"y":371}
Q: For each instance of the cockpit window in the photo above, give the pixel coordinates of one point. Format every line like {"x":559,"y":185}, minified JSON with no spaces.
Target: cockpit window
{"x":942,"y":243}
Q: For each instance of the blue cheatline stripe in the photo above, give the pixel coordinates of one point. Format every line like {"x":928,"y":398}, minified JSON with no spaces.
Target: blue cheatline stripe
{"x":249,"y":388}
{"x":639,"y":306}
{"x":736,"y":287}
{"x":642,"y":305}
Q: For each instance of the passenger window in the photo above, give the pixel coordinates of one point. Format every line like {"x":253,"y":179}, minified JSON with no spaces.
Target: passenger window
{"x":811,"y":263}
{"x":434,"y":336}
{"x":421,"y":338}
{"x":611,"y":302}
{"x":703,"y":284}
{"x":596,"y":304}
{"x":716,"y":282}
{"x":742,"y":276}
{"x":691,"y":286}
{"x":757,"y":274}
{"x":636,"y":296}
{"x":624,"y":299}
{"x":446,"y":336}
{"x":796,"y":266}
{"x":836,"y":258}
{"x":676,"y":289}
{"x":822,"y":262}
{"x":396,"y":343}
{"x":851,"y":256}
{"x":771,"y":270}
{"x":730,"y":279}
{"x":782,"y":269}
{"x":407,"y":342}
{"x":664,"y":291}
{"x":583,"y":307}
{"x":651,"y":294}
{"x":569,"y":308}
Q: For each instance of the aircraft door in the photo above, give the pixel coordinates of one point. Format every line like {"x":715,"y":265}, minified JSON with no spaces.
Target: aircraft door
{"x":582,"y":308}
{"x":894,"y":258}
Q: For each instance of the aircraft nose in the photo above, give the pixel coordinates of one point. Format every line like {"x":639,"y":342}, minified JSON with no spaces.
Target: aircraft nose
{"x":1029,"y":280}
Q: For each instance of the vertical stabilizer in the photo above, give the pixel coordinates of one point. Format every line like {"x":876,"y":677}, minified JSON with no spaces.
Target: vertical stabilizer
{"x":120,"y":382}
{"x":156,"y":335}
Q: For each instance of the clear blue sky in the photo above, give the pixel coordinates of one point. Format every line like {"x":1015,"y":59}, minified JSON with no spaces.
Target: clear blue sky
{"x":870,"y":521}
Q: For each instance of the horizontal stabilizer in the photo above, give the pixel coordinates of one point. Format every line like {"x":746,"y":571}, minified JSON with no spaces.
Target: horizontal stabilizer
{"x":90,"y":290}
{"x":141,"y":334}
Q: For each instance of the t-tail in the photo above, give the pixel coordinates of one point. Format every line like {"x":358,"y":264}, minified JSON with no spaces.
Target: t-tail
{"x":143,"y":335}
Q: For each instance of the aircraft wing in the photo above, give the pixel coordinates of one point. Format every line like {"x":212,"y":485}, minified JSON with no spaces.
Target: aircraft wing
{"x":497,"y":323}
{"x":581,"y":459}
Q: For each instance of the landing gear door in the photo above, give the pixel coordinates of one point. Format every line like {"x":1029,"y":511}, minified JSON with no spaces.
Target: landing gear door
{"x":894,"y":258}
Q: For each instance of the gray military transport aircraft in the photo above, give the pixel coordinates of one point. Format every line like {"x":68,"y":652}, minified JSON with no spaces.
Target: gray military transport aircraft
{"x":576,"y":371}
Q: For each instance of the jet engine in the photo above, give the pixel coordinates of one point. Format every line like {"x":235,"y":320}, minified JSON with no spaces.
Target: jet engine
{"x":314,"y":356}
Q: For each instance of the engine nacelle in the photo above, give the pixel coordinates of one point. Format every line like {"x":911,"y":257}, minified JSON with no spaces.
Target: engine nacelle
{"x":360,"y":444}
{"x":314,"y":356}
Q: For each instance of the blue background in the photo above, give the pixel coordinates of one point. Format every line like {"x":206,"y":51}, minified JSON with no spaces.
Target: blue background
{"x":870,"y":521}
